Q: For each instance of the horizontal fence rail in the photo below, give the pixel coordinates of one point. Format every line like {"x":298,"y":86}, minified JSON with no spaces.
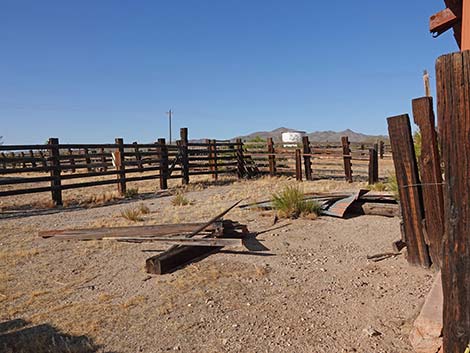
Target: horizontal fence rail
{"x":54,"y":167}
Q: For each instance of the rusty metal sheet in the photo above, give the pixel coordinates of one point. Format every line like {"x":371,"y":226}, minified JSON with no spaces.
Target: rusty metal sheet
{"x":339,"y":208}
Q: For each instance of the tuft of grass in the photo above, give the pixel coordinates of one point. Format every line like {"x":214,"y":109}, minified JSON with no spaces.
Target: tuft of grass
{"x":132,"y":214}
{"x":290,"y":203}
{"x":144,"y":209}
{"x":180,"y":200}
{"x":392,"y":185}
{"x":131,"y":193}
{"x":378,"y":187}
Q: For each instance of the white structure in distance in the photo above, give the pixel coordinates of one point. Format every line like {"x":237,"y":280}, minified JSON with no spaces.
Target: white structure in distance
{"x":292,"y":138}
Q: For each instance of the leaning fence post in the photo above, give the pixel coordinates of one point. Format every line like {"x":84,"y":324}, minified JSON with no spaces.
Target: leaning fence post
{"x":120,"y":167}
{"x":381,"y":149}
{"x":54,"y":155}
{"x":298,"y":164}
{"x":307,"y":151}
{"x":347,"y":159}
{"x":406,"y":170}
{"x":431,"y":176}
{"x":271,"y":157}
{"x":241,"y":172}
{"x":453,"y":107}
{"x":163,"y":155}
{"x":183,"y":146}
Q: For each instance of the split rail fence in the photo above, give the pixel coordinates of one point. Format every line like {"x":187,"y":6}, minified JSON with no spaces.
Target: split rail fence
{"x":55,"y":167}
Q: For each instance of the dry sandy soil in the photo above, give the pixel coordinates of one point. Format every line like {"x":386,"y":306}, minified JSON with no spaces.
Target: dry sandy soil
{"x":313,"y":291}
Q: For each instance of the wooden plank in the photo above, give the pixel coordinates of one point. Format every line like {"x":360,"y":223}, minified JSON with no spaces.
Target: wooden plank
{"x":183,"y":149}
{"x":240,"y":159}
{"x":431,"y":176}
{"x":442,"y":21}
{"x":465,"y":25}
{"x":163,"y":155}
{"x":406,"y":170}
{"x":373,"y":165}
{"x":453,"y":108}
{"x":298,"y":165}
{"x":209,"y":242}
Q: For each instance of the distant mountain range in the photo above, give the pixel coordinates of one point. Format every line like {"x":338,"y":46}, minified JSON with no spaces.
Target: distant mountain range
{"x":317,"y":136}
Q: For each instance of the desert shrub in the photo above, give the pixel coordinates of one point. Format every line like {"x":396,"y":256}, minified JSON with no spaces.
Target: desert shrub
{"x":392,"y":185}
{"x":144,"y":209}
{"x":180,"y":200}
{"x":131,"y":193}
{"x":290,"y":203}
{"x":132,"y":214}
{"x":380,"y":186}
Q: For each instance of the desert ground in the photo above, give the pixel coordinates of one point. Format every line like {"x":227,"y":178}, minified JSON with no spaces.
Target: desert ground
{"x":313,"y":290}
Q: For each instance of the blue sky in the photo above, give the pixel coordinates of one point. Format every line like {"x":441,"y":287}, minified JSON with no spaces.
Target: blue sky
{"x":89,"y":71}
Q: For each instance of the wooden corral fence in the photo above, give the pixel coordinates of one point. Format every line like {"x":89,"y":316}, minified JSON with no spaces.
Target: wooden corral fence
{"x":55,"y":167}
{"x":316,"y":161}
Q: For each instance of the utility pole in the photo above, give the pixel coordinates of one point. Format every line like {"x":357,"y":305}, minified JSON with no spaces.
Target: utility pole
{"x":427,"y":85}
{"x":170,"y":113}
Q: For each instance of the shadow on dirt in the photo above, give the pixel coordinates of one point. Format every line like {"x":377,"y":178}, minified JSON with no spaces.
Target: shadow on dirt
{"x":18,"y":336}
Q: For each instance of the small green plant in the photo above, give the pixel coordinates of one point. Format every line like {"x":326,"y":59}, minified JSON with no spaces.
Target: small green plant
{"x":378,"y":187}
{"x":132,"y":214}
{"x":290,"y":203}
{"x":180,"y":200}
{"x":144,"y":209}
{"x":417,"y":143}
{"x":392,"y":185}
{"x":131,"y":193}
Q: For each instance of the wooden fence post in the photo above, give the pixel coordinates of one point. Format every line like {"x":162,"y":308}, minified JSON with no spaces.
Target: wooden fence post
{"x":88,"y":159}
{"x":298,"y":164}
{"x":33,"y":161}
{"x":120,"y":166}
{"x":406,"y":170}
{"x":241,"y":172}
{"x":138,"y":156}
{"x":373,"y":165}
{"x":213,"y":146}
{"x":271,"y":157}
{"x":431,"y":177}
{"x":4,"y":163}
{"x":72,"y":160}
{"x":453,"y":107}
{"x":307,"y":159}
{"x":381,"y":149}
{"x":183,"y":147}
{"x":54,"y":154}
{"x":103,"y":159}
{"x":163,"y":154}
{"x":347,"y":159}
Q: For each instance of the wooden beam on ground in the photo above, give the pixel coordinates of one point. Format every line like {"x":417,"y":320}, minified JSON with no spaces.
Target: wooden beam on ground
{"x":431,"y":176}
{"x":210,"y":242}
{"x":406,"y":170}
{"x":453,"y":107}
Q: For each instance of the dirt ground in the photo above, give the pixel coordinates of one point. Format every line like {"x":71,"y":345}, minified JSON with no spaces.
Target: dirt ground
{"x":313,"y":291}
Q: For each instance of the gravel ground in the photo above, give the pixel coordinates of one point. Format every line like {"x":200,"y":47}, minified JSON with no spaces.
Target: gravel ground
{"x":313,"y":291}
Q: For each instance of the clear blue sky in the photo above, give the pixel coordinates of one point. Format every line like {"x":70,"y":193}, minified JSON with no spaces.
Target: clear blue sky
{"x":89,"y":71}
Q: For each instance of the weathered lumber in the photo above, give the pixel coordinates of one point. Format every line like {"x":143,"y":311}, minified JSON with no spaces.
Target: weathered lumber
{"x":210,"y":242}
{"x":271,"y":157}
{"x":431,"y":176}
{"x":307,"y":161}
{"x":406,"y":170}
{"x":298,"y":164}
{"x":120,"y":167}
{"x":453,"y":108}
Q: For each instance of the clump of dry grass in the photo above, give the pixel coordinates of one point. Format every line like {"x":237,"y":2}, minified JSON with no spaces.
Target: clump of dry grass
{"x":180,"y":200}
{"x":143,"y":208}
{"x":132,"y":214}
{"x":290,"y":203}
{"x":131,"y":193}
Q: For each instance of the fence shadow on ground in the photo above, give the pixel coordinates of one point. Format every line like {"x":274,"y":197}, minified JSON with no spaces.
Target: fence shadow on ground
{"x":18,"y":336}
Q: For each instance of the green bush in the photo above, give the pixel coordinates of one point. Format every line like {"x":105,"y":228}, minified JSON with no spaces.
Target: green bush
{"x":290,"y":203}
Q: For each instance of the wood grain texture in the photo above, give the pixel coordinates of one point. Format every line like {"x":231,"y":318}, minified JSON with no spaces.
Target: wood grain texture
{"x":431,"y":176}
{"x":453,"y":105}
{"x":406,"y":170}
